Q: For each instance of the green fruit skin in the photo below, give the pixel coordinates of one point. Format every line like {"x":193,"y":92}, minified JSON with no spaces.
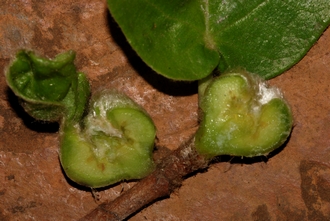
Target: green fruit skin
{"x":49,"y":90}
{"x":234,"y":121}
{"x":40,"y":78}
{"x":107,"y":150}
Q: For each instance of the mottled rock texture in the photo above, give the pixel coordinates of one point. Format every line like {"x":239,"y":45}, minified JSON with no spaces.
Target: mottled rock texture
{"x":292,"y":184}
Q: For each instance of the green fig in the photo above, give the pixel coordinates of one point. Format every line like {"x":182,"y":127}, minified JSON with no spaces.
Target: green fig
{"x":241,"y":116}
{"x":114,"y":142}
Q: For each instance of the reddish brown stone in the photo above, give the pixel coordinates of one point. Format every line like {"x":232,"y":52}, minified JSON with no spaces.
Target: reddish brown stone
{"x":291,"y":185}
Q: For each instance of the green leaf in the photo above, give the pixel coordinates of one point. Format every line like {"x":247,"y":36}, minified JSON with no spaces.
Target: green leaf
{"x":242,"y":116}
{"x":49,"y":90}
{"x":188,"y":39}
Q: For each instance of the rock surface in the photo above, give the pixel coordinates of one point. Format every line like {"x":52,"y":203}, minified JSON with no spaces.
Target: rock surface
{"x":293,"y":184}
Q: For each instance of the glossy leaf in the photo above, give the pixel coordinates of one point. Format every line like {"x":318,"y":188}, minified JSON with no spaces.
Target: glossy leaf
{"x":188,"y":39}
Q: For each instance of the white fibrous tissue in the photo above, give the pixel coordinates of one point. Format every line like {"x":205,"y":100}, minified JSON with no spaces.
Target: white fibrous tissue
{"x":267,"y":93}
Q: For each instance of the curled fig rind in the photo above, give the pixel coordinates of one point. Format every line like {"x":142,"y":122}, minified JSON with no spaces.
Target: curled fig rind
{"x":49,"y":89}
{"x":242,"y":116}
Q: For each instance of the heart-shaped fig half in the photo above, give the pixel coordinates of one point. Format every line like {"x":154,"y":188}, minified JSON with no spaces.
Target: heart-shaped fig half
{"x":114,"y":142}
{"x":241,"y":116}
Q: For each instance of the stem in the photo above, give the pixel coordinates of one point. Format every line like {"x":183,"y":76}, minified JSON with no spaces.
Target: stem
{"x":161,"y":183}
